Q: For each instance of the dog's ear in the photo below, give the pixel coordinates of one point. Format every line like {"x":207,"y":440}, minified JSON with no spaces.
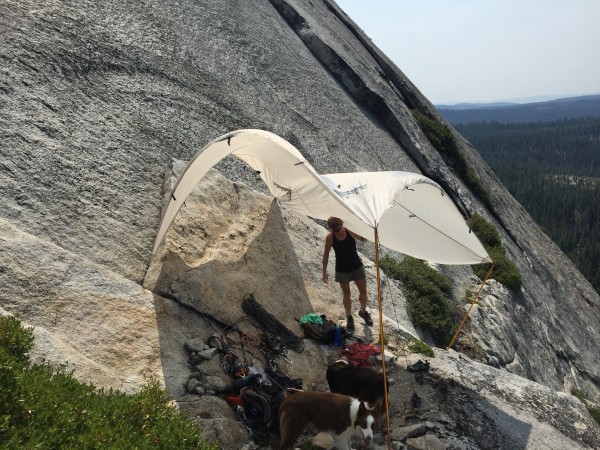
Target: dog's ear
{"x":365,"y":409}
{"x":363,"y":415}
{"x":362,"y":410}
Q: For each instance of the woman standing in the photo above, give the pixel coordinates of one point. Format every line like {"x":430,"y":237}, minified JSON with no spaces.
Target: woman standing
{"x":348,"y":267}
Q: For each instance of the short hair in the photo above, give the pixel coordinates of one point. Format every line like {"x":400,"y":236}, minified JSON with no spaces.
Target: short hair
{"x":334,"y":222}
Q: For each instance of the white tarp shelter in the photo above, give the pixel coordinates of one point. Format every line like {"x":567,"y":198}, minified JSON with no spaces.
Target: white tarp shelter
{"x":411,"y":213}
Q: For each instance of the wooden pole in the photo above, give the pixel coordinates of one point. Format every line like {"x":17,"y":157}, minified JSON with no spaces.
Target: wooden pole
{"x":469,"y":310}
{"x":382,"y":341}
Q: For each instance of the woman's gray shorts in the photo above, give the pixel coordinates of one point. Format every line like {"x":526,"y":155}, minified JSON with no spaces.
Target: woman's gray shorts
{"x":347,"y":277}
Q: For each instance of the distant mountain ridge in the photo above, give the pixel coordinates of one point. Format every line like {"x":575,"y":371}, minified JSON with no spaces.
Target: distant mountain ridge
{"x":506,"y":112}
{"x":463,"y":106}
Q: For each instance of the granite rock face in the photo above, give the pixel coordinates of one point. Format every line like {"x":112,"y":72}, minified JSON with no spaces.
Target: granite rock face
{"x":100,"y":105}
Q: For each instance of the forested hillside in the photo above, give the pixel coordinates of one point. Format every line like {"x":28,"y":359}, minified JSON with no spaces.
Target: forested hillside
{"x":553,"y":169}
{"x":564,"y":108}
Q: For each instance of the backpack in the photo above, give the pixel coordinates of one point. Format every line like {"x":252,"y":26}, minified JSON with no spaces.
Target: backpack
{"x":260,"y":401}
{"x":324,"y":332}
{"x":261,"y":408}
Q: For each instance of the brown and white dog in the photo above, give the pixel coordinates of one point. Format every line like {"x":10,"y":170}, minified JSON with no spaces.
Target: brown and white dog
{"x":340,"y":415}
{"x":364,"y":383}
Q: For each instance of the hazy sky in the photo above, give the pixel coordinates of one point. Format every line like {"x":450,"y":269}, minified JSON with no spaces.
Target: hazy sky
{"x":487,"y":50}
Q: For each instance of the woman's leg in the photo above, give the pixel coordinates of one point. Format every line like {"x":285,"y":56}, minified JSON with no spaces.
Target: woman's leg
{"x":362,"y":293}
{"x":347,"y":302}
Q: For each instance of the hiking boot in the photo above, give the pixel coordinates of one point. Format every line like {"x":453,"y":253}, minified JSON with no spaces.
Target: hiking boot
{"x":419,"y":366}
{"x":350,"y":323}
{"x":364,"y":315}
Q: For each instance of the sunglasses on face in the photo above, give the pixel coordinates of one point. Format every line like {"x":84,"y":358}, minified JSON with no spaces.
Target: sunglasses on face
{"x":336,"y":228}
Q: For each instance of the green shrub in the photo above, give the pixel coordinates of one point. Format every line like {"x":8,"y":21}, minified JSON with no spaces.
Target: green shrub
{"x":428,"y":296}
{"x":595,"y":413}
{"x":417,"y":346}
{"x":593,"y":410}
{"x":48,"y":408}
{"x":485,"y":232}
{"x":390,"y":266}
{"x":443,"y":141}
{"x":577,"y":393}
{"x":466,"y":345}
{"x":505,"y":271}
{"x":15,"y":341}
{"x":469,"y":296}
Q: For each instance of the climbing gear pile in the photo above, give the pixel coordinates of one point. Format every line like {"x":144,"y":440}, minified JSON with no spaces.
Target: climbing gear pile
{"x":270,"y":325}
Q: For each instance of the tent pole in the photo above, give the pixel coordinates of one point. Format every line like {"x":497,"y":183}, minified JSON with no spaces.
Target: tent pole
{"x":382,"y":340}
{"x":472,"y":303}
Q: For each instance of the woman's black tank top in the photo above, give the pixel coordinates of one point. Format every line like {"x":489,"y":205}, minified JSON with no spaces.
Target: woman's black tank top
{"x":346,"y":257}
